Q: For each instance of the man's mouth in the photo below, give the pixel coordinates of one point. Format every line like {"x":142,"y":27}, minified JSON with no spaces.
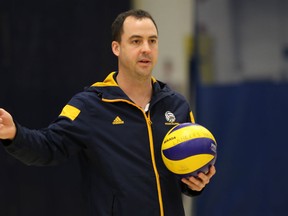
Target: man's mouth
{"x":145,"y":61}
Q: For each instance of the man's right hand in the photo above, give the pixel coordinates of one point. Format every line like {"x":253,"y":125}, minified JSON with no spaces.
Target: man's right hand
{"x":7,"y":126}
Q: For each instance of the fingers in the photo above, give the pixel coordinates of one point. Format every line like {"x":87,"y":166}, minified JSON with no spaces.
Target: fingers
{"x":2,"y":112}
{"x":212,"y":171}
{"x":1,"y":115}
{"x":193,"y":183}
{"x":199,"y":182}
{"x":7,"y":126}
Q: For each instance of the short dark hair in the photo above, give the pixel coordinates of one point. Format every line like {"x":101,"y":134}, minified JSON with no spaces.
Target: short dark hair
{"x":117,"y":25}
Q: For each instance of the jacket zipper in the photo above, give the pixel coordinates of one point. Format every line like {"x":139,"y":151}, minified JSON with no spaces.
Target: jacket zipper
{"x":149,"y":123}
{"x":149,"y":127}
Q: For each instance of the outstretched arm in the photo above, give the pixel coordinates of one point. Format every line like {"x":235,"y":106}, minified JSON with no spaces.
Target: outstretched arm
{"x":7,"y":126}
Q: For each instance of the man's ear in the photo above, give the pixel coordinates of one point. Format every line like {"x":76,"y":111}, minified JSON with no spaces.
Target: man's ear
{"x":115,"y":48}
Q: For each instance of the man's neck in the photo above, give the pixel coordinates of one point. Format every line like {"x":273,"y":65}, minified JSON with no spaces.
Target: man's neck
{"x":138,"y":90}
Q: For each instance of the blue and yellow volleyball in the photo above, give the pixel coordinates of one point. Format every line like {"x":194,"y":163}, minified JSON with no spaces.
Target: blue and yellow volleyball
{"x":188,"y":149}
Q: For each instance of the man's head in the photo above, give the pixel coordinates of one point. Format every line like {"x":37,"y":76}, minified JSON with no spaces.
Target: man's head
{"x":135,"y":43}
{"x":117,"y":25}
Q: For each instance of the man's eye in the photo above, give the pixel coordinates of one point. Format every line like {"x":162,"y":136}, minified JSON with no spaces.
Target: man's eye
{"x":135,"y":42}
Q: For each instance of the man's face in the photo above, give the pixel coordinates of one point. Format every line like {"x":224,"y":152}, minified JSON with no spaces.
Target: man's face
{"x":138,"y":50}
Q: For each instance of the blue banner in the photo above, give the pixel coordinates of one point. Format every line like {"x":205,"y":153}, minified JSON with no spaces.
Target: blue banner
{"x":249,"y":122}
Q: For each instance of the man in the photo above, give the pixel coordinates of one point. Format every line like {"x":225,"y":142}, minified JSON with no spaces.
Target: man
{"x":117,"y":126}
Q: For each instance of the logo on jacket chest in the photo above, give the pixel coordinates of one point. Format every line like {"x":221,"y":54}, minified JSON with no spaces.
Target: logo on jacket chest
{"x":170,"y":118}
{"x":117,"y":121}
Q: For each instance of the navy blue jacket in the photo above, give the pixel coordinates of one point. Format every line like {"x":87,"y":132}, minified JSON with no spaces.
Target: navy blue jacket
{"x":120,"y":145}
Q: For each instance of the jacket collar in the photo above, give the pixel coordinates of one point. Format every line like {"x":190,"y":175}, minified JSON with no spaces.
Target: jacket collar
{"x":110,"y":80}
{"x":109,"y":89}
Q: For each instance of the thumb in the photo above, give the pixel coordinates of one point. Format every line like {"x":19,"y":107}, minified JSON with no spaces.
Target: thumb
{"x":7,"y":126}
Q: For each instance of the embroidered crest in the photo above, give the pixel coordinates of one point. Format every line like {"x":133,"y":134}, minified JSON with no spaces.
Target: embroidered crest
{"x":170,"y":117}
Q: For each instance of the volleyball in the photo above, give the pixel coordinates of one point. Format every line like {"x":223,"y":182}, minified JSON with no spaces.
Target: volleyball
{"x":188,"y":149}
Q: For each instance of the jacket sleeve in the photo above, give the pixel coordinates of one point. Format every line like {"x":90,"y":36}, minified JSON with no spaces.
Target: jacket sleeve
{"x":52,"y":145}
